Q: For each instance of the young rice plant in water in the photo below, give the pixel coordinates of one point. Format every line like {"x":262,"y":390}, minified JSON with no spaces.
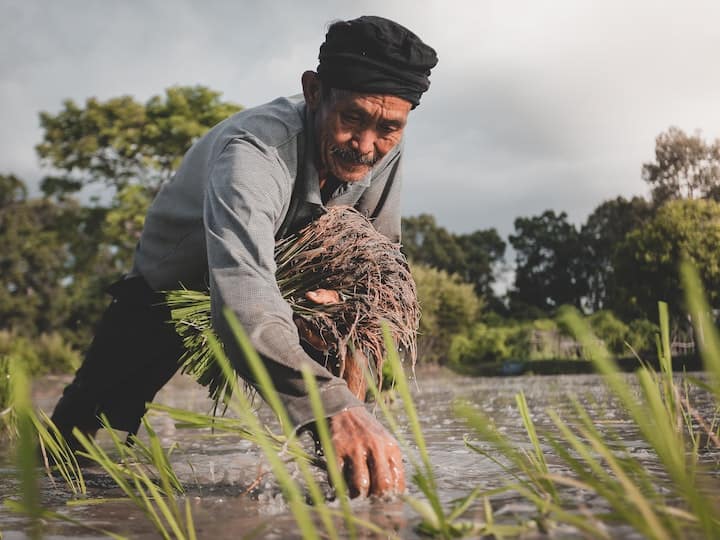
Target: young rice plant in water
{"x":680,"y":501}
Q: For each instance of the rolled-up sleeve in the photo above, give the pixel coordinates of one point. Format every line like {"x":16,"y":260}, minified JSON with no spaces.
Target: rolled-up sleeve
{"x":247,"y":195}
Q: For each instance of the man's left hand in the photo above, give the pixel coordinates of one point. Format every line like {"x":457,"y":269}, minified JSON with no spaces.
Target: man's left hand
{"x":368,"y":455}
{"x":326,"y":297}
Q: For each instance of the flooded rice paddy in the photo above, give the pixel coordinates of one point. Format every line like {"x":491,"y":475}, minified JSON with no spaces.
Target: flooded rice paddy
{"x":232,"y":498}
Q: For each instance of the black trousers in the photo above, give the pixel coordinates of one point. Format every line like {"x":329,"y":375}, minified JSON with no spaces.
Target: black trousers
{"x":135,"y":351}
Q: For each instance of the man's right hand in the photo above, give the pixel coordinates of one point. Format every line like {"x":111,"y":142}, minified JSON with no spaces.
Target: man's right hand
{"x":367,"y":454}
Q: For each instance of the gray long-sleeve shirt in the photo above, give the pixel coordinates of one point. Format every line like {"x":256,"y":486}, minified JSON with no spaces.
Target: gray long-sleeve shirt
{"x":249,"y":181}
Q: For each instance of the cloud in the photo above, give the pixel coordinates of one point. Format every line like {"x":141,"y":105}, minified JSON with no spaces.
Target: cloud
{"x":533,"y":105}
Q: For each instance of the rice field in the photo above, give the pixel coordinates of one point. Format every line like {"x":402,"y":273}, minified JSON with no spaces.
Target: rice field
{"x":599,"y":456}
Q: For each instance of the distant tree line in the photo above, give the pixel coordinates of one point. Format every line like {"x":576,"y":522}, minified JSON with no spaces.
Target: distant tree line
{"x":60,"y":250}
{"x":58,"y":254}
{"x":623,"y":258}
{"x":614,"y":268}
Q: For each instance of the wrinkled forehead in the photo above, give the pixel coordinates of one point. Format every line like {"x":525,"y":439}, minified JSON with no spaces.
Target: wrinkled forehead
{"x":386,"y":105}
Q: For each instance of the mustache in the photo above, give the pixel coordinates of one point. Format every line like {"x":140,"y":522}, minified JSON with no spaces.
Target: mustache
{"x":354,"y":156}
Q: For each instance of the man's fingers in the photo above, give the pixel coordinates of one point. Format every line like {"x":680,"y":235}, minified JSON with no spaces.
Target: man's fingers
{"x":307,"y":334}
{"x":370,"y":456}
{"x":365,"y":475}
{"x":381,"y":475}
{"x":387,"y":472}
{"x":357,"y":475}
{"x":323,"y":296}
{"x":397,"y":472}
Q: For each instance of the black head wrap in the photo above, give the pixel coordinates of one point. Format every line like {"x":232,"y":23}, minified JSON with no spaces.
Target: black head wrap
{"x":374,"y":55}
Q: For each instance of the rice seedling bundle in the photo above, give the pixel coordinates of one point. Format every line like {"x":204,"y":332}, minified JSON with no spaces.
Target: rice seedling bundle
{"x":339,"y":251}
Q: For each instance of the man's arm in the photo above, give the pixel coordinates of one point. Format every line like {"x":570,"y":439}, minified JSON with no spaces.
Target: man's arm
{"x":246,"y":196}
{"x":247,"y":192}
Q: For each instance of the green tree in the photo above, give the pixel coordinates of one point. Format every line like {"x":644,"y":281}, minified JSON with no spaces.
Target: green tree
{"x":646,"y":262}
{"x":425,"y":242}
{"x":641,"y":336}
{"x":548,"y":264}
{"x":484,"y":252}
{"x":611,"y":330}
{"x":685,"y":167}
{"x":132,"y":148}
{"x":121,"y":141}
{"x":449,"y":307}
{"x":54,"y":264}
{"x":12,"y":190}
{"x":123,"y":223}
{"x":474,"y":257}
{"x":35,"y":260}
{"x":481,"y":344}
{"x":605,"y":228}
{"x":39,"y":355}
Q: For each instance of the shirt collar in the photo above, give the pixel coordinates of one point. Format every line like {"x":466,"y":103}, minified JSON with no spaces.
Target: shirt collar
{"x":348,"y":192}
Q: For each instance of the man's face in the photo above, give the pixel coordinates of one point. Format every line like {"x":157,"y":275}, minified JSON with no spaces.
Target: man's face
{"x":354,"y":131}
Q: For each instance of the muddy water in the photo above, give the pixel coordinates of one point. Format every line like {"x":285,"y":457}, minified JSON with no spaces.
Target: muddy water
{"x":231,"y":498}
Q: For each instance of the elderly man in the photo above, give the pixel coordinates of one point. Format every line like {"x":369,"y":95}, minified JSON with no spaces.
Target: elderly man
{"x":254,"y":178}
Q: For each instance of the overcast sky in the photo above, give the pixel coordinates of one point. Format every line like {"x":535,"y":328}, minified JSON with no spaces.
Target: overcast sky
{"x":533,"y":105}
